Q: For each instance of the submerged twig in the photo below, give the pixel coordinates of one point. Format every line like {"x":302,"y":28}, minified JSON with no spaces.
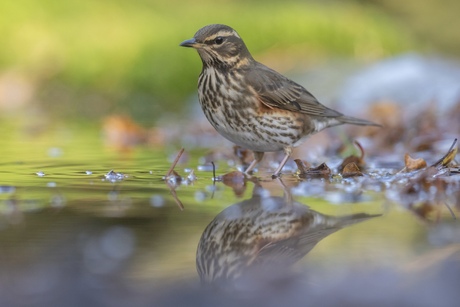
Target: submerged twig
{"x":213,"y":171}
{"x":213,"y":179}
{"x":176,"y":160}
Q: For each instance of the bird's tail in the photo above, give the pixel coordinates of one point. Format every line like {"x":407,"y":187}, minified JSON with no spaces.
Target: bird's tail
{"x":355,"y":218}
{"x":356,"y":121}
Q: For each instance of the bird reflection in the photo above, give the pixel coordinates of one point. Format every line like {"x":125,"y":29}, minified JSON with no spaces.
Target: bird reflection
{"x":262,"y":235}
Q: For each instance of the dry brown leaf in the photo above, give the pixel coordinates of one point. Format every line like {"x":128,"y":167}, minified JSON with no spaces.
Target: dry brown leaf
{"x":351,"y":170}
{"x":321,"y":171}
{"x":359,"y":161}
{"x":413,"y":164}
{"x":303,"y":166}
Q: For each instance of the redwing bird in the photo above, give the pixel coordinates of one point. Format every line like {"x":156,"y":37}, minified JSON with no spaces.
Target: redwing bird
{"x":252,"y":105}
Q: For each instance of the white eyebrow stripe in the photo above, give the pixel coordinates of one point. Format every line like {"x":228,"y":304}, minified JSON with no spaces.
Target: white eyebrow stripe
{"x":223,"y":34}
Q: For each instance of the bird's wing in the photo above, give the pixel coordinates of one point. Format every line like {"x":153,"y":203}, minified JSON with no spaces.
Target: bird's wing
{"x":289,"y":251}
{"x":277,"y":91}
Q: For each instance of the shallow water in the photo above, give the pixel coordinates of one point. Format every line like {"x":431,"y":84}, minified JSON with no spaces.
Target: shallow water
{"x":71,"y":233}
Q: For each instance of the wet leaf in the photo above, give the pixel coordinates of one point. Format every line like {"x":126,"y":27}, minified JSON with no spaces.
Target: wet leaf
{"x":413,"y":164}
{"x":448,"y":157}
{"x":357,"y":160}
{"x":302,"y":165}
{"x":306,"y":172}
{"x":351,"y":170}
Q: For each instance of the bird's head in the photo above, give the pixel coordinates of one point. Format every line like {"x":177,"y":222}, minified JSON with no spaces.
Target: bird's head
{"x":219,"y":45}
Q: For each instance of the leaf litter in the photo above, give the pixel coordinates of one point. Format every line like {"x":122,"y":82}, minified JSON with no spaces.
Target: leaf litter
{"x":394,"y":164}
{"x":420,"y":188}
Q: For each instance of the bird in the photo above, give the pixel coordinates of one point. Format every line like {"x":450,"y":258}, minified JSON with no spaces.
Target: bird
{"x":252,"y":105}
{"x":261,"y":237}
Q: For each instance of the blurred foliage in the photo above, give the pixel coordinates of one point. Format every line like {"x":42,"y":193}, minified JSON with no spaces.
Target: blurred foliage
{"x":435,"y":21}
{"x":94,"y":57}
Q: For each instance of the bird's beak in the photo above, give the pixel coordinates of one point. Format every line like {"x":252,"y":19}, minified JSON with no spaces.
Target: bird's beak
{"x":190,"y":43}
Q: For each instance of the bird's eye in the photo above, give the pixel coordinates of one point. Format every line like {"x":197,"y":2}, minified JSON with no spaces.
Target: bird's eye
{"x":218,"y":40}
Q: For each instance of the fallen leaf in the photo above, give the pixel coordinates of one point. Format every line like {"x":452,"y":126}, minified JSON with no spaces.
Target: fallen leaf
{"x":303,"y":166}
{"x":359,"y":161}
{"x":306,"y":172}
{"x":413,"y":164}
{"x":351,"y":170}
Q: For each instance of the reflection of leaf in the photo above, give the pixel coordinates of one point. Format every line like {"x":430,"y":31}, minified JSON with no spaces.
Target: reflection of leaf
{"x":413,"y":164}
{"x":423,"y":210}
{"x":351,"y":170}
{"x":236,"y":180}
{"x":426,"y":192}
{"x":305,"y":171}
{"x":448,"y":157}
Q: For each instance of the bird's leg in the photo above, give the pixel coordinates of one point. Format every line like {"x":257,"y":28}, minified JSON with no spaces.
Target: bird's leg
{"x":257,"y":158}
{"x":287,"y":151}
{"x":287,"y":192}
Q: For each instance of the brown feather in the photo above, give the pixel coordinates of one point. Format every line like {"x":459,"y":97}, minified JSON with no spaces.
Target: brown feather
{"x":275,"y":90}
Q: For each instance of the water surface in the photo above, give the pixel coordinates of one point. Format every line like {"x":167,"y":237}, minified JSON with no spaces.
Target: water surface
{"x":73,"y":233}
